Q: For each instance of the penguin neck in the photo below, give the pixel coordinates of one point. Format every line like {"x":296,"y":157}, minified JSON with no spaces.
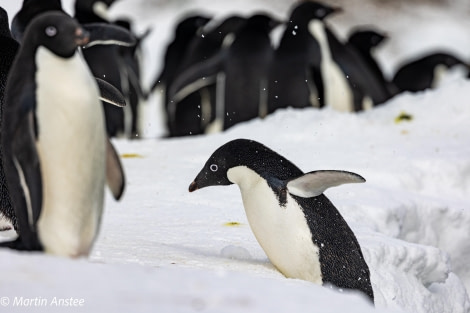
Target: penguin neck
{"x":337,"y":91}
{"x":243,"y":176}
{"x":317,"y":28}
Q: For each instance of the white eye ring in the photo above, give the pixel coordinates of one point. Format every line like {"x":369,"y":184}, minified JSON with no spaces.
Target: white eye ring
{"x":51,"y":31}
{"x":213,"y":167}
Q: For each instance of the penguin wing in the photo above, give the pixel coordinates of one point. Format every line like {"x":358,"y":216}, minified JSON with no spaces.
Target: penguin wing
{"x":114,"y":171}
{"x":196,"y":77}
{"x":110,"y":94}
{"x":107,"y":34}
{"x":315,"y":183}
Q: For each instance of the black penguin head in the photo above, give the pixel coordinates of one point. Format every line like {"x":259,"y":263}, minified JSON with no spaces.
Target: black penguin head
{"x":191,"y":24}
{"x":243,"y":152}
{"x":262,"y":21}
{"x":57,"y":32}
{"x":92,"y":11}
{"x":310,"y":10}
{"x":366,"y":39}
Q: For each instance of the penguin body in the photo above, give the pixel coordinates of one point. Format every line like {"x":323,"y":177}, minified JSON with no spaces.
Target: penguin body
{"x":57,"y":188}
{"x":423,"y":72}
{"x":175,"y":61}
{"x":364,"y":41}
{"x":195,"y":112}
{"x":301,"y":231}
{"x":240,"y":72}
{"x":295,"y":76}
{"x":106,"y":63}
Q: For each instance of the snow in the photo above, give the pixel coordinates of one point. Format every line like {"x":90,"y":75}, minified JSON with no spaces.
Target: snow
{"x":164,"y":249}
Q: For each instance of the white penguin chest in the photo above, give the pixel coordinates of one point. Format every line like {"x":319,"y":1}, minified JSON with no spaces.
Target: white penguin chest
{"x":282,"y":232}
{"x":71,"y":148}
{"x":338,"y":93}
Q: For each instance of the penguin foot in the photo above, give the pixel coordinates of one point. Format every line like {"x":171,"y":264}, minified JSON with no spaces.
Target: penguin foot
{"x":20,"y":245}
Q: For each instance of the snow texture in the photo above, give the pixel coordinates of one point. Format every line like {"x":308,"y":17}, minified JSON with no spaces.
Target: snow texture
{"x":163,"y":249}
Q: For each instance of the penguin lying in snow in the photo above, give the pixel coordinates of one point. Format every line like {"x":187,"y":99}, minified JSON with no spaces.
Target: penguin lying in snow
{"x":301,"y":231}
{"x":425,"y":71}
{"x":56,"y":152}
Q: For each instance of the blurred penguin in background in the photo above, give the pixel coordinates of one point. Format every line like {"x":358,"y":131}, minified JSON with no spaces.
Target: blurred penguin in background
{"x":117,"y":65}
{"x":240,"y":72}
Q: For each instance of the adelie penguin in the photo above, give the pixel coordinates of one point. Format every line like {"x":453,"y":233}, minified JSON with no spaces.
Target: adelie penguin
{"x":239,"y":71}
{"x":365,"y":40}
{"x":349,"y":85}
{"x":57,"y":156}
{"x":426,"y":71}
{"x":300,"y":230}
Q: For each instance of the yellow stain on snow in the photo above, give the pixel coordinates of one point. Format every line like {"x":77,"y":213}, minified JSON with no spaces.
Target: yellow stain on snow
{"x":131,"y":155}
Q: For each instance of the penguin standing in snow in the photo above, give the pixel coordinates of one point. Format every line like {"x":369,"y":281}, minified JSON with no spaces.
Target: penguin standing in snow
{"x":116,"y":65}
{"x":364,"y":41}
{"x":57,"y":156}
{"x":349,"y":84}
{"x":185,"y":32}
{"x":300,"y":230}
{"x":295,"y":78}
{"x":240,"y":72}
{"x":9,"y":48}
{"x":195,"y":112}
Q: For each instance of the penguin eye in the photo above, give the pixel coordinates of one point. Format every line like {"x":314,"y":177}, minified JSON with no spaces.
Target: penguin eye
{"x":213,"y":167}
{"x":321,"y":12}
{"x":51,"y":31}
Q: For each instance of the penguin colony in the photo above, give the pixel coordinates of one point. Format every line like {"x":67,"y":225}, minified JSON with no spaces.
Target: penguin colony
{"x":56,"y":88}
{"x":219,"y":73}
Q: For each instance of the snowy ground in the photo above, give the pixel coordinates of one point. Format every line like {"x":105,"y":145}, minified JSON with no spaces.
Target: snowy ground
{"x":164,"y":249}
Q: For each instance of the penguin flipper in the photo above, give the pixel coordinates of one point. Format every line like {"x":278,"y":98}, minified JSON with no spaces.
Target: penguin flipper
{"x":315,"y":183}
{"x":23,"y":176}
{"x":114,"y":171}
{"x":196,"y":77}
{"x":108,"y":34}
{"x":110,"y":94}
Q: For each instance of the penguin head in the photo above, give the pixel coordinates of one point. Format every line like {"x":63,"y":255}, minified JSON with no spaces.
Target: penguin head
{"x":243,"y":152}
{"x":309,"y":10}
{"x":262,"y":21}
{"x":366,"y":39}
{"x":57,"y":32}
{"x":191,"y":24}
{"x":92,"y":11}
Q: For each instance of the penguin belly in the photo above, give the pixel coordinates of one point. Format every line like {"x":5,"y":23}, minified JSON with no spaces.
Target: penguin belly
{"x":338,"y":93}
{"x":282,"y":231}
{"x":71,"y":149}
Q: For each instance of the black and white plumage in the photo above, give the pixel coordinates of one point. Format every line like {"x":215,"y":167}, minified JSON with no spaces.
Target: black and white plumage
{"x":301,"y":231}
{"x":239,"y":71}
{"x":57,"y":156}
{"x":425,"y":71}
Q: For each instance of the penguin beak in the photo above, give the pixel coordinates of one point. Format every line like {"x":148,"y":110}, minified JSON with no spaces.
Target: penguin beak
{"x":193,"y":186}
{"x":81,"y":37}
{"x":335,"y":10}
